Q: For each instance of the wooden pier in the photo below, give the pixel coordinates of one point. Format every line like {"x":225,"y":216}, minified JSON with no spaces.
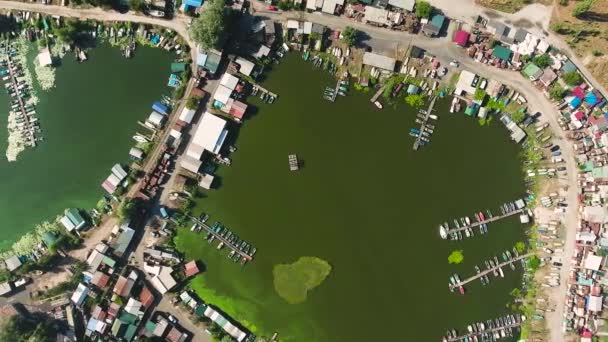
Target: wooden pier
{"x":377,"y":94}
{"x":333,"y":97}
{"x":227,"y":243}
{"x":490,"y":270}
{"x":488,"y":220}
{"x":28,"y":125}
{"x":264,"y":90}
{"x":479,"y":333}
{"x":424,"y":121}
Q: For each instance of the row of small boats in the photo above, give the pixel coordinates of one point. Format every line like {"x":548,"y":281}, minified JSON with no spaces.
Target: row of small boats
{"x":423,"y":134}
{"x":455,"y":232}
{"x":238,"y":246}
{"x":490,"y":330}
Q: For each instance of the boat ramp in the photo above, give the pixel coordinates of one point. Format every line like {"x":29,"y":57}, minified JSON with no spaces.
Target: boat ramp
{"x":423,"y":134}
{"x":497,"y":267}
{"x":482,"y":219}
{"x":490,"y":330}
{"x":240,"y":250}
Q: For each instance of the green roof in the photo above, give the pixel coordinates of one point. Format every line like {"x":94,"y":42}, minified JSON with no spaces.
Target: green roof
{"x":117,"y":328}
{"x":74,"y":216}
{"x":568,"y":67}
{"x":502,"y":53}
{"x":600,"y":172}
{"x":178,"y":67}
{"x":49,"y":238}
{"x":108,"y":261}
{"x":128,"y":318}
{"x":471,"y":110}
{"x":531,"y":71}
{"x":438,"y":21}
{"x":213,"y":61}
{"x":130,"y":333}
{"x":200,"y":310}
{"x":150,"y":326}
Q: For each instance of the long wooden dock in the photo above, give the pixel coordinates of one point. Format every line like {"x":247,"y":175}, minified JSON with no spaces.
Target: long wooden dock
{"x":424,"y":121}
{"x":377,"y":94}
{"x":221,"y":239}
{"x":479,"y":333}
{"x":490,"y":270}
{"x":15,"y":85}
{"x":488,"y":220}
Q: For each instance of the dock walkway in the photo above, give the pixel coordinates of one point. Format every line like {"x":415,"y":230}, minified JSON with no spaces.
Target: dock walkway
{"x":377,"y":94}
{"x":15,"y":84}
{"x":424,"y":121}
{"x":488,"y":220}
{"x":221,"y":239}
{"x":479,"y":333}
{"x":490,"y":270}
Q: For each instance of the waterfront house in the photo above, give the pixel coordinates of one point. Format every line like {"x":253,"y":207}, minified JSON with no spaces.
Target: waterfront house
{"x":261,"y":52}
{"x":119,"y":172}
{"x":379,"y":61}
{"x":246,"y":67}
{"x":191,"y":269}
{"x":206,"y":181}
{"x":5,"y":288}
{"x":136,"y":154}
{"x":209,"y":136}
{"x":209,"y":60}
{"x":80,"y":294}
{"x":123,"y":286}
{"x":13,"y":263}
{"x":191,"y":164}
{"x":465,"y":83}
{"x":72,"y":220}
{"x":375,"y":16}
{"x":44,"y":57}
{"x":517,"y":134}
{"x":225,"y":324}
{"x":156,"y":120}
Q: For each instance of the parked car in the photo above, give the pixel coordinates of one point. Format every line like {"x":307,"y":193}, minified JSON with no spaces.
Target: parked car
{"x":172,"y":319}
{"x":561,"y":168}
{"x":558,"y":264}
{"x":554,"y":148}
{"x":454,"y":63}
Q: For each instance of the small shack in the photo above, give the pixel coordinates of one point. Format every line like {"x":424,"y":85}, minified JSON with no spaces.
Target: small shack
{"x":44,"y":57}
{"x":461,"y":38}
{"x":379,"y":61}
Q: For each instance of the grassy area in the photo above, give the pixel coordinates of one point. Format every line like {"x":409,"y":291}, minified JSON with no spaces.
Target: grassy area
{"x":509,"y":6}
{"x":293,"y":281}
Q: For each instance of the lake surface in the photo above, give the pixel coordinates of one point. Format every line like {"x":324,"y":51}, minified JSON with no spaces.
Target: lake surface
{"x":366,"y":203}
{"x":87,"y":122}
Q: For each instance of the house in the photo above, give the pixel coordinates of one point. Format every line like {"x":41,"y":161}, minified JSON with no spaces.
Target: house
{"x":461,"y":37}
{"x":465,"y":83}
{"x":134,"y":307}
{"x":502,"y":53}
{"x":434,"y":26}
{"x":175,"y":335}
{"x":246,"y":67}
{"x":499,"y":30}
{"x":379,"y":61}
{"x":520,"y":35}
{"x":44,"y":57}
{"x":407,"y":5}
{"x":593,"y":262}
{"x":123,"y":286}
{"x":548,"y":77}
{"x":124,"y":239}
{"x":12,"y":263}
{"x":100,"y":279}
{"x":210,"y":60}
{"x":226,"y":325}
{"x":146,"y":297}
{"x":5,"y":288}
{"x":80,"y":294}
{"x":494,"y":88}
{"x":136,"y":154}
{"x":72,"y":220}
{"x":163,"y":281}
{"x":329,"y":6}
{"x":532,"y":71}
{"x":186,"y":115}
{"x":375,"y":16}
{"x":191,"y":269}
{"x":209,"y":136}
{"x":261,"y":52}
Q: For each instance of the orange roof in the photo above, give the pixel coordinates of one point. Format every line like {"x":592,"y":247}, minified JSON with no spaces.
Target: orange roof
{"x":120,"y":286}
{"x":146,"y":297}
{"x":100,"y":279}
{"x":174,"y":335}
{"x":191,"y":269}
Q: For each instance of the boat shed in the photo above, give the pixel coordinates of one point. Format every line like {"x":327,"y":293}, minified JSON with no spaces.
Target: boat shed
{"x":12,"y":263}
{"x":210,"y":133}
{"x":44,"y":57}
{"x":156,"y":119}
{"x":136,"y":153}
{"x":237,"y":109}
{"x":262,"y":51}
{"x":206,"y":181}
{"x":502,"y":53}
{"x":407,"y":5}
{"x":191,"y":164}
{"x":377,"y":16}
{"x":74,"y":217}
{"x":222,"y":94}
{"x":225,"y":324}
{"x":329,"y":6}
{"x":379,"y":61}
{"x":160,"y":107}
{"x":119,"y":172}
{"x":187,"y":115}
{"x":245,"y":67}
{"x":5,"y":288}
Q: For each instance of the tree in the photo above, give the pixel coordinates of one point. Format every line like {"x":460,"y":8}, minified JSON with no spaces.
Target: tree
{"x":582,"y":8}
{"x":415,"y":100}
{"x":285,"y":5}
{"x":556,"y":92}
{"x":572,"y":78}
{"x":480,"y":94}
{"x":350,"y":35}
{"x":208,"y":29}
{"x":193,"y":102}
{"x":456,"y":257}
{"x":520,"y":247}
{"x":137,"y":5}
{"x":542,"y":61}
{"x":126,"y":208}
{"x":423,"y":9}
{"x":518,"y":116}
{"x":36,"y":327}
{"x":533,"y":263}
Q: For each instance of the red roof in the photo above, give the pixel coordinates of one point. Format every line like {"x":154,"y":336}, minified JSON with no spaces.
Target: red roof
{"x":579,"y":115}
{"x":197,"y":92}
{"x":98,"y":313}
{"x":461,"y":37}
{"x":238,"y":109}
{"x":120,"y":286}
{"x":100,"y":279}
{"x":595,"y":120}
{"x":579,"y":92}
{"x":113,"y":309}
{"x":146,"y":297}
{"x":191,"y":269}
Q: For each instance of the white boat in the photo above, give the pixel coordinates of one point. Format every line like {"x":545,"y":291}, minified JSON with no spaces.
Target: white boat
{"x":433,"y":116}
{"x":502,"y":274}
{"x":140,"y":138}
{"x":378,"y":104}
{"x":453,"y":106}
{"x":467,"y":220}
{"x":467,"y":233}
{"x":443,"y":232}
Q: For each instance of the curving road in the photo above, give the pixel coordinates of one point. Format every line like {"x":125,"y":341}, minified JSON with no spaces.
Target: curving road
{"x":384,"y":39}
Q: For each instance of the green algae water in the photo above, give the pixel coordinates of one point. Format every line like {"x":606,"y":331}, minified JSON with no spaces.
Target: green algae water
{"x":87,"y":123}
{"x":365,"y":202}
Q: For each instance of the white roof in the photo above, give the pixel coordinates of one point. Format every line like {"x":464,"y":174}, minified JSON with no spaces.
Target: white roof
{"x":166,"y":278}
{"x":542,"y":46}
{"x":222,"y":94}
{"x":5,"y":288}
{"x":210,"y":133}
{"x":407,"y":5}
{"x":595,"y":214}
{"x":119,"y":171}
{"x":310,"y":4}
{"x":151,"y":269}
{"x":465,"y":80}
{"x":379,"y":61}
{"x":263,"y":50}
{"x":13,"y":263}
{"x":191,"y":164}
{"x":158,"y":285}
{"x":44,"y":57}
{"x":246,"y":66}
{"x":94,"y":260}
{"x":586,"y":237}
{"x":595,"y":303}
{"x":156,"y":118}
{"x":65,"y":221}
{"x":187,"y":114}
{"x":375,"y":15}
{"x":113,"y":179}
{"x":206,"y":181}
{"x":329,"y":6}
{"x":133,"y":307}
{"x":593,"y":262}
{"x":80,"y":294}
{"x":319,"y":3}
{"x":294,"y":24}
{"x":308,"y":25}
{"x":136,"y":153}
{"x":195,"y":151}
{"x":229,"y":81}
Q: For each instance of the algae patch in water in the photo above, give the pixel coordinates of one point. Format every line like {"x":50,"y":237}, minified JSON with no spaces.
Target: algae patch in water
{"x":293,"y":281}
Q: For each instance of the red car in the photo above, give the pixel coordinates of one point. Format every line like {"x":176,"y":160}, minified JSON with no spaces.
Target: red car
{"x":271,"y":8}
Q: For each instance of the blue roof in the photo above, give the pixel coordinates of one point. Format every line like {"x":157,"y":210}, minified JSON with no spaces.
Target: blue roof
{"x":575,"y":102}
{"x":591,"y":99}
{"x":161,"y":108}
{"x":193,"y":3}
